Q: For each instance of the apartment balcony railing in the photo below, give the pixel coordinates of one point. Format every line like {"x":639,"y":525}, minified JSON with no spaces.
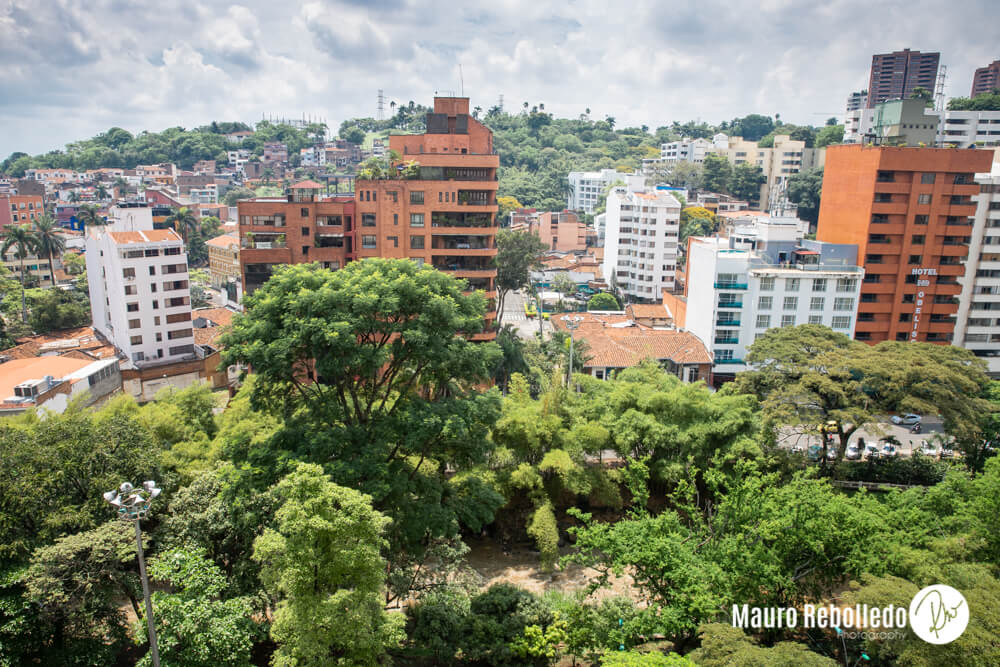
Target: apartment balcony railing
{"x":730,"y":285}
{"x":727,"y":341}
{"x":729,"y":361}
{"x":730,"y":304}
{"x":727,"y":323}
{"x":264,"y":245}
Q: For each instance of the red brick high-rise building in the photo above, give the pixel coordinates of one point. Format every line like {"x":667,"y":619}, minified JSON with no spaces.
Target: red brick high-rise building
{"x":909,"y":212}
{"x":442,"y":211}
{"x":986,"y":79}
{"x":895,"y":75}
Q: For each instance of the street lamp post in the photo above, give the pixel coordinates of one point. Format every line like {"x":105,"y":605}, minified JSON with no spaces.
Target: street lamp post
{"x":571,"y":323}
{"x":133,"y":505}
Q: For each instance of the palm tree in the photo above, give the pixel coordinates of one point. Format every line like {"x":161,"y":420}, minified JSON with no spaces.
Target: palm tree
{"x":48,"y":242}
{"x":122,"y":185}
{"x":89,"y":216}
{"x":24,"y":241}
{"x":101,"y":191}
{"x":74,"y":197}
{"x":183,"y":220}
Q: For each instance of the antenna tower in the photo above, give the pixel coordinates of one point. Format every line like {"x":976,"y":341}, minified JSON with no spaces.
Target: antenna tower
{"x":500,"y":102}
{"x":939,"y":88}
{"x":380,"y":113}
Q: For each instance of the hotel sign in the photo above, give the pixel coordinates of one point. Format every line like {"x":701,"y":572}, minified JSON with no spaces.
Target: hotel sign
{"x":921,"y":282}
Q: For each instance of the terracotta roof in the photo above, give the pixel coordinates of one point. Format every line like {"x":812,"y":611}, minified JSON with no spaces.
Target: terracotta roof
{"x":307,"y":185}
{"x":224,"y":240}
{"x":145,"y":236}
{"x":13,"y":373}
{"x":625,"y":346}
{"x":220,"y":317}
{"x":647,"y":310}
{"x":81,"y":338}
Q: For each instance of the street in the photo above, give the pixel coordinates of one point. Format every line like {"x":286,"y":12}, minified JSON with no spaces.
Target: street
{"x":872,"y":435}
{"x":513,"y":314}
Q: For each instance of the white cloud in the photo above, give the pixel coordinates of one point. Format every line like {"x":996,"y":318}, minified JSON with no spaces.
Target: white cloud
{"x":69,"y":70}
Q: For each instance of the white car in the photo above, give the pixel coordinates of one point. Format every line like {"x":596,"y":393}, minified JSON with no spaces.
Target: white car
{"x":906,"y":420}
{"x":889,"y":450}
{"x":928,"y":449}
{"x":853,"y":453}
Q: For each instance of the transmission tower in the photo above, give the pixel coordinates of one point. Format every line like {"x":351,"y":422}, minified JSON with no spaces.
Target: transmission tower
{"x":500,"y":102}
{"x":380,"y":114}
{"x":939,"y":88}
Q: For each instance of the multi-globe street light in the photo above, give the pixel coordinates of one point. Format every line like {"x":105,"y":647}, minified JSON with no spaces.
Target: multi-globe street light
{"x":133,"y":505}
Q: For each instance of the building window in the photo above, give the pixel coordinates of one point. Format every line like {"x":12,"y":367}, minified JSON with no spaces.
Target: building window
{"x":764,"y":302}
{"x":846,"y":284}
{"x":128,"y":273}
{"x":841,"y":322}
{"x":305,"y":231}
{"x":921,"y":219}
{"x":788,"y":320}
{"x":394,"y":239}
{"x":792,"y":284}
{"x":367,"y":219}
{"x":304,"y":212}
{"x":134,"y":324}
{"x":723,"y":355}
{"x":905,"y":317}
{"x":138,"y":356}
{"x":152,"y":270}
{"x":924,"y":199}
{"x":842,"y":303}
{"x":869,"y":298}
{"x":763,"y":321}
{"x":417,"y":242}
{"x":367,"y":241}
{"x":395,"y":218}
{"x":815,"y":319}
{"x":819,"y":285}
{"x":791,"y":302}
{"x":135,"y":340}
{"x":863,"y":335}
{"x":416,"y":220}
{"x":130,"y":290}
{"x":305,"y":250}
{"x":767,"y":284}
{"x":417,"y":197}
{"x":179,"y":333}
{"x":917,"y":239}
{"x":816,"y":303}
{"x":159,"y":337}
{"x":156,"y":305}
{"x":901,"y":336}
{"x":916,"y":259}
{"x":927,"y":179}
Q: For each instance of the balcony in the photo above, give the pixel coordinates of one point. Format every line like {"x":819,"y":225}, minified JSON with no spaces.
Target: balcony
{"x":731,"y":304}
{"x":727,"y":323}
{"x":461,"y":264}
{"x":730,"y":286}
{"x":462,"y":220}
{"x":727,"y":341}
{"x":728,"y":361}
{"x":458,"y":242}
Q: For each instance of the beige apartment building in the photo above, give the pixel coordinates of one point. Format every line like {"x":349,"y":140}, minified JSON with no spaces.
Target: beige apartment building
{"x":788,"y":156}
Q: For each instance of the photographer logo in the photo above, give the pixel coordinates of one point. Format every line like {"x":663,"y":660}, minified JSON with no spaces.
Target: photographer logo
{"x":939,"y":614}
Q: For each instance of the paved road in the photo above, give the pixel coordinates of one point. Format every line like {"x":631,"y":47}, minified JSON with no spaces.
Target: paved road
{"x":513,"y":314}
{"x":908,"y":441}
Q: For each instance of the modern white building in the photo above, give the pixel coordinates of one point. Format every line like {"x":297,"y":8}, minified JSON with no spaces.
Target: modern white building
{"x":640,"y":242}
{"x":857,"y":100}
{"x":963,"y":129}
{"x":586,"y":188}
{"x":139,"y":294}
{"x":977,"y":324}
{"x":738,"y":288}
{"x":691,"y":150}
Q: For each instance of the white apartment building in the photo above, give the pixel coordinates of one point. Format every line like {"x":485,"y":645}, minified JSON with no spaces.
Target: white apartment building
{"x":963,"y":129}
{"x":736,"y":291}
{"x":977,"y":324}
{"x":640,"y":242}
{"x":206,"y":195}
{"x":313,"y":156}
{"x":786,"y":157}
{"x":586,"y":188}
{"x":857,"y":100}
{"x":139,"y":294}
{"x":691,"y":150}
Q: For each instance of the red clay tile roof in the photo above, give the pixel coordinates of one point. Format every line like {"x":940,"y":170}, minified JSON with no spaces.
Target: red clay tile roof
{"x":645,"y":310}
{"x":307,"y":185}
{"x":81,"y":338}
{"x":625,"y":346}
{"x":224,"y":240}
{"x":145,"y":236}
{"x":222,"y":317}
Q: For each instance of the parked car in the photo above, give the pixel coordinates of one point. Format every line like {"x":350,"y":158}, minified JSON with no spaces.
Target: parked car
{"x":831,"y":453}
{"x":872,"y":451}
{"x":906,"y":420}
{"x":946,"y":452}
{"x":815,"y":453}
{"x":889,"y":450}
{"x":853,"y":453}
{"x":927,"y":449}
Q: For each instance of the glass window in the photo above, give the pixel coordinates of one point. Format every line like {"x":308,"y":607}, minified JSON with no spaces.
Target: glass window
{"x":792,"y":284}
{"x":767,"y":284}
{"x":791,"y":302}
{"x":843,"y":303}
{"x":846,"y":284}
{"x":763,"y":321}
{"x":927,"y":179}
{"x":417,"y":197}
{"x":764,"y":302}
{"x":417,"y":242}
{"x":367,"y":219}
{"x":416,"y":220}
{"x":788,"y":320}
{"x":815,"y":319}
{"x":368,"y":241}
{"x":819,"y":285}
{"x":816,"y":303}
{"x":841,"y":322}
{"x":924,"y":199}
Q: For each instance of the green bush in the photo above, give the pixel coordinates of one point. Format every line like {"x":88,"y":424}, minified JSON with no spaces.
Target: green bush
{"x":920,"y":470}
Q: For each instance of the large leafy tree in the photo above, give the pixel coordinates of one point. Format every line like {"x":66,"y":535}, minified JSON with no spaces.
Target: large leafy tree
{"x":716,"y":173}
{"x":372,"y":376}
{"x":24,"y":242}
{"x":322,"y":560}
{"x":809,"y":375}
{"x":804,"y":190}
{"x":746,"y":180}
{"x":518,"y":253}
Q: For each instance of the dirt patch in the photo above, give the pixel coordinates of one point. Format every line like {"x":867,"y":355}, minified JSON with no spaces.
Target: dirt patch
{"x":520,"y":566}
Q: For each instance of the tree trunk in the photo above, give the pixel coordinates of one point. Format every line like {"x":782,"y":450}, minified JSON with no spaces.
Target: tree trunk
{"x":52,"y":269}
{"x":24,"y":303}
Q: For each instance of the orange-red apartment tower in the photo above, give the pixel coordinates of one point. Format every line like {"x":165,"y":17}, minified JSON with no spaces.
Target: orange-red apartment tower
{"x":445,"y":216}
{"x":910,"y":211}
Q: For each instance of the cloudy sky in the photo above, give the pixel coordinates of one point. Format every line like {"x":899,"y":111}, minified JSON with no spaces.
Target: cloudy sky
{"x":72,"y":68}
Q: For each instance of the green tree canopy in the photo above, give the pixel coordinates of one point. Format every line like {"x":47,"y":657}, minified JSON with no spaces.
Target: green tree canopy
{"x":518,"y":254}
{"x":716,"y":173}
{"x":804,"y":190}
{"x":746,"y":181}
{"x":603,"y":301}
